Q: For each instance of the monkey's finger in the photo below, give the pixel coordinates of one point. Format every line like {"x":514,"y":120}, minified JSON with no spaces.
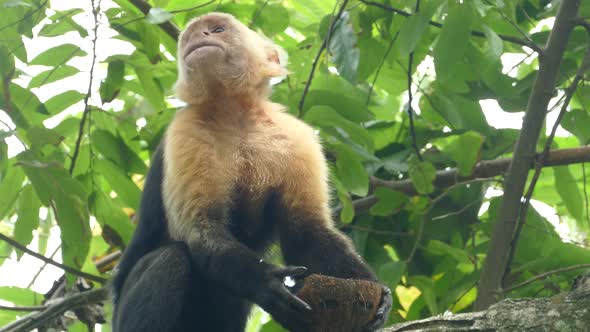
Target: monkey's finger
{"x":295,"y":301}
{"x":291,"y":271}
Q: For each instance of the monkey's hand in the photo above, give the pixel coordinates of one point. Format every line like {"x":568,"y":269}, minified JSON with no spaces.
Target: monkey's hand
{"x":382,"y":312}
{"x":276,"y":299}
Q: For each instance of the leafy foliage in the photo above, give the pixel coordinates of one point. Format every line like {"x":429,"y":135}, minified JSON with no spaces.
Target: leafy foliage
{"x":80,"y":161}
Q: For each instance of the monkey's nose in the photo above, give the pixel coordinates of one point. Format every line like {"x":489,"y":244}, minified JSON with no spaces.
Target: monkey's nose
{"x":206,"y":33}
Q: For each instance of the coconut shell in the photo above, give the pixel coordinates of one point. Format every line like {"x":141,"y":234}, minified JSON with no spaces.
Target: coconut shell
{"x":340,"y":305}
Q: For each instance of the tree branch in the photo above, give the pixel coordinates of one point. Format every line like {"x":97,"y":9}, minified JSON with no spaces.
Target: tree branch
{"x":510,"y":39}
{"x":524,"y":153}
{"x":169,"y":28}
{"x":319,"y":54}
{"x":37,"y":319}
{"x":66,"y":268}
{"x":545,"y":275}
{"x":569,"y":93}
{"x":95,"y":10}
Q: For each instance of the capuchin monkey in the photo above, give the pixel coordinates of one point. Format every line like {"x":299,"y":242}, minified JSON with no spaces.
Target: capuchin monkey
{"x":233,"y":173}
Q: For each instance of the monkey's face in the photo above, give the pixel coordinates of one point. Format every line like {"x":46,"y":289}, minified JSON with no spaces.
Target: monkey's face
{"x":208,"y":42}
{"x":216,"y":51}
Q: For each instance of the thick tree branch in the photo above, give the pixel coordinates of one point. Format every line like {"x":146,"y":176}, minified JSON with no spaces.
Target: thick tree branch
{"x":66,"y":268}
{"x":569,"y":93}
{"x":563,"y":312}
{"x":38,"y":319}
{"x":510,"y":39}
{"x":524,"y":153}
{"x":483,"y":169}
{"x":489,"y":168}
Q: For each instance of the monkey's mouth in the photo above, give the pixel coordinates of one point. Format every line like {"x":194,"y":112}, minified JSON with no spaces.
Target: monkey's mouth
{"x":193,"y":47}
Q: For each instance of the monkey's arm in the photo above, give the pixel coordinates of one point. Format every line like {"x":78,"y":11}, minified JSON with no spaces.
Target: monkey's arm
{"x":307,"y":234}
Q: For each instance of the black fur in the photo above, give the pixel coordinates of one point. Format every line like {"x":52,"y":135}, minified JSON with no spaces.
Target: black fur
{"x":210,"y":285}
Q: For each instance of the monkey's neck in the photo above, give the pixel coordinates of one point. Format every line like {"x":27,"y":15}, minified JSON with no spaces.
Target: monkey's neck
{"x":229,"y":109}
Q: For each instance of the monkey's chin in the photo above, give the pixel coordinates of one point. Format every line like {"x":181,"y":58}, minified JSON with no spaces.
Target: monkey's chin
{"x":204,"y":56}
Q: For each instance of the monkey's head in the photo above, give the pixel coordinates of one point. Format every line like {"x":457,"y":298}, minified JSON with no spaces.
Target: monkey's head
{"x":220,"y":56}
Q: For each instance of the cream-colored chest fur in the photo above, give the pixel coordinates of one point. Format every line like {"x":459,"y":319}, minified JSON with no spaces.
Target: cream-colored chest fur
{"x":208,"y":163}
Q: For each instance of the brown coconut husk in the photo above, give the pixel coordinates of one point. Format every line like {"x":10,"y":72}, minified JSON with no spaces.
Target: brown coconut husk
{"x":340,"y":305}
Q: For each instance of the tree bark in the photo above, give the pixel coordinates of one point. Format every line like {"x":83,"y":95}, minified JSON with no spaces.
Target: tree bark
{"x":563,"y":312}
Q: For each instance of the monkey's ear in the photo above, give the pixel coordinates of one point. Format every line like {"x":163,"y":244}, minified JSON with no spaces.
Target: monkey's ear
{"x":273,"y":56}
{"x":276,"y":59}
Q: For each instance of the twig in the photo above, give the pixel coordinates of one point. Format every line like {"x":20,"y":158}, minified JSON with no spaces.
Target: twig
{"x":433,"y":203}
{"x":319,"y":54}
{"x":375,"y":231}
{"x":37,"y":319}
{"x":19,"y":308}
{"x":516,"y":26}
{"x":12,"y":131}
{"x":411,"y":97}
{"x":455,"y":213}
{"x":524,"y":152}
{"x":585,"y":192}
{"x":569,"y":93}
{"x":43,"y":267}
{"x":66,"y":268}
{"x":95,"y":10}
{"x":6,"y":86}
{"x":545,"y":275}
{"x":510,"y":39}
{"x":389,"y":47}
{"x":257,"y":14}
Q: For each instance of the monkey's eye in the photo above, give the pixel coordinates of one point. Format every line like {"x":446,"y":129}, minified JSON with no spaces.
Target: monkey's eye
{"x":218,"y":30}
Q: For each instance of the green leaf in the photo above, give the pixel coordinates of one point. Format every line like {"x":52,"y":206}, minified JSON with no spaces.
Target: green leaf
{"x":52,"y":75}
{"x":115,"y":149}
{"x":158,"y":15}
{"x":107,"y":213}
{"x":495,"y":43}
{"x":126,"y":189}
{"x":272,"y":19}
{"x":151,"y":89}
{"x":10,"y":187}
{"x":577,"y":122}
{"x":453,"y":39}
{"x":343,"y":47}
{"x":19,"y":296}
{"x":40,"y":136}
{"x":464,"y":149}
{"x":28,"y":217}
{"x":422,"y":175}
{"x":58,"y":55}
{"x":426,"y":286}
{"x":60,"y":102}
{"x":53,"y":184}
{"x":351,"y":172}
{"x":110,"y":87}
{"x":7,"y":63}
{"x":414,"y":26}
{"x":326,"y":117}
{"x":567,"y":187}
{"x":440,"y":248}
{"x":391,"y":273}
{"x":63,"y":23}
{"x":389,"y":201}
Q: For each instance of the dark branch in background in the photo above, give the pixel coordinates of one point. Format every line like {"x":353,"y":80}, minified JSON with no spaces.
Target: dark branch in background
{"x":32,"y":282}
{"x":483,"y":169}
{"x":257,"y":14}
{"x":509,"y":20}
{"x":584,"y":186}
{"x":524,"y":153}
{"x":6,"y":86}
{"x":411,"y":97}
{"x":569,"y":93}
{"x":547,"y":274}
{"x":38,"y":319}
{"x":168,"y":27}
{"x":95,"y":10}
{"x":66,"y":268}
{"x":18,"y":308}
{"x":319,"y":54}
{"x":506,"y":38}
